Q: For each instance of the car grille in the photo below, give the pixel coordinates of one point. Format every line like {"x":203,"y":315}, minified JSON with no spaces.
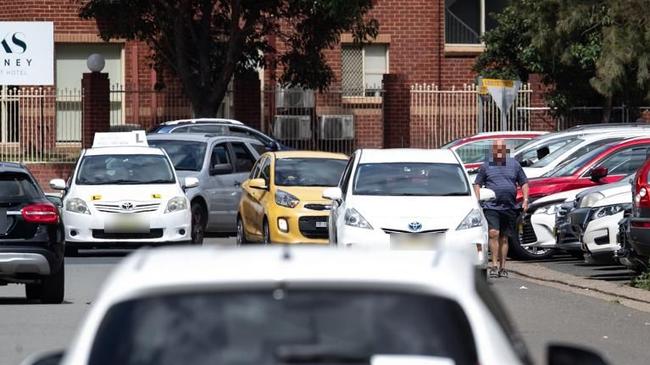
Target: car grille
{"x":318,"y":206}
{"x":101,"y":234}
{"x":308,"y":227}
{"x":527,"y":234}
{"x":116,"y":207}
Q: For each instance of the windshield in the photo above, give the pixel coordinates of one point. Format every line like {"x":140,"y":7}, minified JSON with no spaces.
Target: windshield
{"x":125,"y":169}
{"x":308,"y":171}
{"x":185,"y":155}
{"x":571,"y":167}
{"x":16,"y":188}
{"x":282,"y":327}
{"x":411,"y":179}
{"x":531,"y":153}
{"x":552,"y":157}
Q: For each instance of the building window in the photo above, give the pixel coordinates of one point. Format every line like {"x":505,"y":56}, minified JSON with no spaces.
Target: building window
{"x":363,"y":68}
{"x":467,"y":20}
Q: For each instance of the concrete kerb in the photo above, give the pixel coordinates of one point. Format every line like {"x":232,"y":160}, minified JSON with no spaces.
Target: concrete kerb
{"x":638,"y":299}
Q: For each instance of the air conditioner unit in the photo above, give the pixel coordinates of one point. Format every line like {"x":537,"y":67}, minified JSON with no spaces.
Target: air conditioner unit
{"x":294,"y":98}
{"x":294,"y":127}
{"x":337,"y":127}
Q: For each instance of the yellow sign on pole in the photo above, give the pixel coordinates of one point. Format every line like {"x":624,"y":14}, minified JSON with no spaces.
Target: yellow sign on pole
{"x":485,"y":83}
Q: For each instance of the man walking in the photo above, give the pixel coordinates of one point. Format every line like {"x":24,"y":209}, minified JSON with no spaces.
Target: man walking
{"x":501,"y":174}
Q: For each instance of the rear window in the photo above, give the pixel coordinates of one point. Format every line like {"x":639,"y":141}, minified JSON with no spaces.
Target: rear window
{"x":282,"y":327}
{"x":17,"y":187}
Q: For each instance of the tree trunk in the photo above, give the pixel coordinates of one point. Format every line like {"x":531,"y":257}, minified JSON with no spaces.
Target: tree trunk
{"x":607,"y":109}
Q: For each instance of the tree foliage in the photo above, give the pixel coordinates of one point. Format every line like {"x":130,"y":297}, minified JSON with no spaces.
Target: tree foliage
{"x":206,"y":42}
{"x":590,"y":52}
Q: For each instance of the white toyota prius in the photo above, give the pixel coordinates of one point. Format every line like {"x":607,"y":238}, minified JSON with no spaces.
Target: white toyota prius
{"x":407,"y":199}
{"x":123,"y":192}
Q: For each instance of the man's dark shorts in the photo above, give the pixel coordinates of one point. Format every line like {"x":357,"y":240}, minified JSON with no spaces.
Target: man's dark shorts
{"x":503,"y":221}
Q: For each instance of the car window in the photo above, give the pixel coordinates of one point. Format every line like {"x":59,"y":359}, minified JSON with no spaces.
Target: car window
{"x":345,"y":178}
{"x":185,"y":129}
{"x":308,"y":171}
{"x":269,"y":327}
{"x":553,"y":156}
{"x":411,"y":179}
{"x":244,"y":159}
{"x":220,"y":155}
{"x":260,"y":148}
{"x":248,"y":133}
{"x":571,"y":167}
{"x":185,"y":155}
{"x":125,"y":170}
{"x":624,"y":162}
{"x":265,"y":171}
{"x":530,"y":153}
{"x":255,"y":172}
{"x":209,"y":128}
{"x":474,"y":152}
{"x":17,"y":187}
{"x":514,"y":143}
{"x":588,"y":148}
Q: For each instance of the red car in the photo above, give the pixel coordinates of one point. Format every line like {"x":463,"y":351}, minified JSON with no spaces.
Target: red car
{"x":640,"y":218}
{"x":603,"y":165}
{"x":473,"y":150}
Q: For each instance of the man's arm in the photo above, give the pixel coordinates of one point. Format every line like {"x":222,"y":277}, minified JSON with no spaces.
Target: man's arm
{"x":524,"y":191}
{"x":477,"y":191}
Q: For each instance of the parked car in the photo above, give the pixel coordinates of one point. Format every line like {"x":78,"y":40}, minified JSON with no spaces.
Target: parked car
{"x":639,"y":237}
{"x":221,"y":164}
{"x":218,"y":126}
{"x":565,"y":238}
{"x":387,"y":199}
{"x":626,"y":255}
{"x":31,"y":236}
{"x":282,"y":200}
{"x":473,"y":150}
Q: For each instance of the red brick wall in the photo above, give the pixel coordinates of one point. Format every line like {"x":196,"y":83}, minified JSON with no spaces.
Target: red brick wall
{"x":457,"y":71}
{"x":45,"y":172}
{"x":397,"y":116}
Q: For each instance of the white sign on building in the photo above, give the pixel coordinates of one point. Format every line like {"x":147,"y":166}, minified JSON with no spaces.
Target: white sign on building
{"x":26,"y":53}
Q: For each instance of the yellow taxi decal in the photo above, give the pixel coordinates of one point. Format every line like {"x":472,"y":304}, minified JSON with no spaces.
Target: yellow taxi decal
{"x":156,"y":196}
{"x":96,"y":197}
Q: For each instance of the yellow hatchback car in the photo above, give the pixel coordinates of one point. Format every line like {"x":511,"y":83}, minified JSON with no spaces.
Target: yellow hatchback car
{"x":282,"y":199}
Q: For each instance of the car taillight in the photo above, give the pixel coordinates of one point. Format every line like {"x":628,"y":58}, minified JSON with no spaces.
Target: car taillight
{"x":40,"y":213}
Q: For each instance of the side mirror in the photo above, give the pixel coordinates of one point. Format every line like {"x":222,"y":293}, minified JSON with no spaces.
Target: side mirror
{"x":258,"y":184}
{"x":542,"y":152}
{"x":333,"y":194}
{"x":486,"y":195}
{"x":526,"y":163}
{"x":598,"y":173}
{"x":45,"y":358}
{"x":221,"y":169}
{"x":190,"y":182}
{"x":568,"y":355}
{"x":57,"y":184}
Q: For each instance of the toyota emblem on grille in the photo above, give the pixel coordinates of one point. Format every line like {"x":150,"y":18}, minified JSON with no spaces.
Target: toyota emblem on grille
{"x":415,"y":226}
{"x":127,"y":205}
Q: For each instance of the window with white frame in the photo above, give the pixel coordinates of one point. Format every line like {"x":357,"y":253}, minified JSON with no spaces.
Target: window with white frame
{"x":467,"y":20}
{"x":363,"y":68}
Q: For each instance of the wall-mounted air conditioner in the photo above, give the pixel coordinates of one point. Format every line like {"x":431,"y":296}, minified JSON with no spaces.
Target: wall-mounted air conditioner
{"x":294,"y":98}
{"x":294,"y":127}
{"x":337,"y":127}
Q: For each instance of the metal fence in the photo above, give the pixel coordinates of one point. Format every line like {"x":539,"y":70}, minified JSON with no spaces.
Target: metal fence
{"x":439,"y":116}
{"x":327,"y":121}
{"x":40,"y":124}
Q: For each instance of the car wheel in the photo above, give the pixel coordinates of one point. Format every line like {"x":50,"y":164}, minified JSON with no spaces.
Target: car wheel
{"x":526,"y":252}
{"x":198,"y":224}
{"x":266,"y":232}
{"x":51,"y":288}
{"x":241,"y":232}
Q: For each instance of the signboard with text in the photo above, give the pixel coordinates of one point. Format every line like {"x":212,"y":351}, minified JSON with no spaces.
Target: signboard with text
{"x":26,"y":53}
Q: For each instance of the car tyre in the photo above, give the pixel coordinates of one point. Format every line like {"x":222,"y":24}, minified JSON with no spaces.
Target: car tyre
{"x":517,"y":251}
{"x":198,"y":224}
{"x":241,"y":232}
{"x":50,"y":290}
{"x":266,"y":232}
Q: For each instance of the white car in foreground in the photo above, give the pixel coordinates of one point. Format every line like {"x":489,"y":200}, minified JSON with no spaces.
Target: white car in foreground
{"x":407,"y":199}
{"x":122,"y":193}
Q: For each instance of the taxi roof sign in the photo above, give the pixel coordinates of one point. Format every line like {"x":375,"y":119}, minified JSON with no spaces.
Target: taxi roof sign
{"x":120,"y":139}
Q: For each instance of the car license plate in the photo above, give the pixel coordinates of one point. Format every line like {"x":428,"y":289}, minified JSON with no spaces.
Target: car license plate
{"x":321,"y":224}
{"x":414,"y":241}
{"x":126,"y":223}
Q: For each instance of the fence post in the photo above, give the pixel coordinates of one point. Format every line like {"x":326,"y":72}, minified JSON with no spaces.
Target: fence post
{"x":96,"y":106}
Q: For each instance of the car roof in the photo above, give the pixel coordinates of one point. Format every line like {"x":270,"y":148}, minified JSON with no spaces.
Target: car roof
{"x":198,"y":137}
{"x":505,"y":134}
{"x":203,"y":120}
{"x":148,"y":272}
{"x":394,"y":155}
{"x":131,"y":150}
{"x":12,"y":167}
{"x":608,"y":125}
{"x":309,"y":154}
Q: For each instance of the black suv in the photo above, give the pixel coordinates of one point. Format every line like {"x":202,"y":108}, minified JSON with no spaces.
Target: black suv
{"x":31,"y":236}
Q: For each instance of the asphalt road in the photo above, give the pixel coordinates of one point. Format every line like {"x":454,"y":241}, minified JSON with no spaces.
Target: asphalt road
{"x":542,"y":315}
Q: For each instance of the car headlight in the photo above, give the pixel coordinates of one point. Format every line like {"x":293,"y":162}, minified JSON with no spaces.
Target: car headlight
{"x":176,"y":204}
{"x":285,"y":199}
{"x":471,"y":220}
{"x":608,"y":210}
{"x":549,"y":209}
{"x":590,"y":199}
{"x":355,"y":219}
{"x":77,"y":205}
